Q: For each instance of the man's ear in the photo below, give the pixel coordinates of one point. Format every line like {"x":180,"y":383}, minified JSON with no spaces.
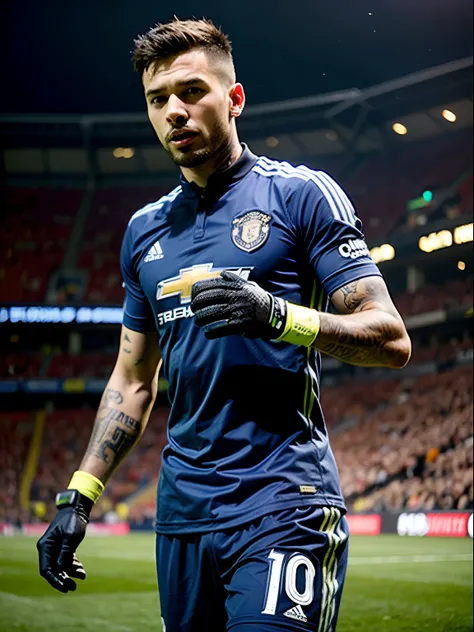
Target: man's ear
{"x":237,"y":100}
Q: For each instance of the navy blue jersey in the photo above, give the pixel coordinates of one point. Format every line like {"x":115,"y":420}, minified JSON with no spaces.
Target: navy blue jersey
{"x":246,"y":432}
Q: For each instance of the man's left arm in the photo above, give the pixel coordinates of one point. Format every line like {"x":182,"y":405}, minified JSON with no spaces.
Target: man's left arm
{"x":367,"y":330}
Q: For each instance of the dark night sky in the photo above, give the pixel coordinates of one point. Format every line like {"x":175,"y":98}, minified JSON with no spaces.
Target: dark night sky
{"x":73,"y":57}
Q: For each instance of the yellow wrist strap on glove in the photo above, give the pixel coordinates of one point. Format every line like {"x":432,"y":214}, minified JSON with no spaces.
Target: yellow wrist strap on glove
{"x":302,"y":325}
{"x":86,"y":484}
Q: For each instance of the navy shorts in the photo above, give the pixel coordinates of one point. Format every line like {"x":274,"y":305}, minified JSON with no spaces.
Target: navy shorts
{"x":284,"y":571}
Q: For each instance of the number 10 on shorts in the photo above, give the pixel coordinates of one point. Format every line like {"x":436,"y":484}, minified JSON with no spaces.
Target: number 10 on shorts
{"x":276,"y":567}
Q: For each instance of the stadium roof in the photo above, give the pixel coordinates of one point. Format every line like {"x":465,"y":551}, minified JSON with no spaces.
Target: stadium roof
{"x":74,"y":58}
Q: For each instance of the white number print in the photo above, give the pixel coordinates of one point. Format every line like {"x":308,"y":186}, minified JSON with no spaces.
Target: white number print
{"x":276,"y":566}
{"x":274,"y":583}
{"x":306,"y":597}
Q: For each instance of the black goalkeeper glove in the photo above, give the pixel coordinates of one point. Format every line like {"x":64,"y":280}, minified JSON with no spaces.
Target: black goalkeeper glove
{"x":57,"y":547}
{"x":230,"y":305}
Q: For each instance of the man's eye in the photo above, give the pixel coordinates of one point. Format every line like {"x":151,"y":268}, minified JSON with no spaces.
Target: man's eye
{"x":158,"y":100}
{"x":193,"y":90}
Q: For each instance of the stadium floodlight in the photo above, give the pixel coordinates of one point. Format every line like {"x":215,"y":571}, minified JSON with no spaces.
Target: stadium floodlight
{"x":385,"y":252}
{"x":461,"y":265}
{"x":400,"y":129}
{"x":449,"y":116}
{"x":463,"y":234}
{"x":436,"y":241}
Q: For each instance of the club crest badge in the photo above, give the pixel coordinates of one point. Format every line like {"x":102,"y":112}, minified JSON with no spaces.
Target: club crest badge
{"x":250,"y":230}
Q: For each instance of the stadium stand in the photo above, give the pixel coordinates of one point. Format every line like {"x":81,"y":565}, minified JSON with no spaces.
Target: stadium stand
{"x":15,"y":439}
{"x":110,"y":212}
{"x":424,"y":433}
{"x":383,"y":184}
{"x":87,"y":365}
{"x":36,"y":228}
{"x":432,"y":297}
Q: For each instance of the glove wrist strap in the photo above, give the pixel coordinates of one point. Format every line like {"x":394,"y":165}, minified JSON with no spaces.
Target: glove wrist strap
{"x":278,"y":316}
{"x":86,"y":484}
{"x":302,"y":325}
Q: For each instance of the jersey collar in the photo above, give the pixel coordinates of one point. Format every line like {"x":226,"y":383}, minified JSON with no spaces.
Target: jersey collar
{"x":220,"y":181}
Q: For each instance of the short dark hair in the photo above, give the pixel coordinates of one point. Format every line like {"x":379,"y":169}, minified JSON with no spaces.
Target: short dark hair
{"x":176,"y":37}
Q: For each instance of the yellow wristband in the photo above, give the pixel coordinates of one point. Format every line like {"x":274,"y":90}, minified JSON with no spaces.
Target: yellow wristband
{"x":302,"y":325}
{"x":86,"y":484}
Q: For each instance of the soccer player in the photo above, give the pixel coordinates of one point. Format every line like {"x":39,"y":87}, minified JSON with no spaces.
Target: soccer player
{"x":228,"y":280}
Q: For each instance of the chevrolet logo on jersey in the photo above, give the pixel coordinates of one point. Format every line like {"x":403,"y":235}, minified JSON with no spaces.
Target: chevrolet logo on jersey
{"x":181,"y":285}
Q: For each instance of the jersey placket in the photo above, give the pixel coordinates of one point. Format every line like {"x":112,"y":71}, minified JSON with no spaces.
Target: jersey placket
{"x":200,"y":225}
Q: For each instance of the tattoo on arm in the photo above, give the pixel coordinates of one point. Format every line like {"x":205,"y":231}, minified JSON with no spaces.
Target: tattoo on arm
{"x":367,"y":330}
{"x":115,"y":432}
{"x":353,"y":298}
{"x":365,"y":344}
{"x":113,"y":449}
{"x":126,"y":338}
{"x":127,"y":350}
{"x":112,"y":395}
{"x":362,"y":294}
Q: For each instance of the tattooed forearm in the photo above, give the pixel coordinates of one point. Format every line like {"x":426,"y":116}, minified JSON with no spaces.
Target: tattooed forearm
{"x":372,"y":339}
{"x":112,"y":450}
{"x":367,"y":331}
{"x":112,"y":414}
{"x":115,"y":432}
{"x":125,"y":406}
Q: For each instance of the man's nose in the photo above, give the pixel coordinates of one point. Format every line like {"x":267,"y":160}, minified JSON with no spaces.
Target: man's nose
{"x":176,"y":114}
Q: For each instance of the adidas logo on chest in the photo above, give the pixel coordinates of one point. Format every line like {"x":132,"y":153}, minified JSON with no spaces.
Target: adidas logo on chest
{"x":154,"y":253}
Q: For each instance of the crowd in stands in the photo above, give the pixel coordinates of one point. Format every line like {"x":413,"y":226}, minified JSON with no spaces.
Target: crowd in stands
{"x":414,"y":450}
{"x":15,"y":438}
{"x":383,"y":184}
{"x":36,"y":226}
{"x":432,"y":297}
{"x":110,"y":212}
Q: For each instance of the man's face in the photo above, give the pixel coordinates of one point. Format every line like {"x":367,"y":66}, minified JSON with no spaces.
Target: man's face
{"x":189,"y":107}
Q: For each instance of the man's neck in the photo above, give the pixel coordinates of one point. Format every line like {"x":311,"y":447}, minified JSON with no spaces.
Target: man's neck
{"x":229,"y":154}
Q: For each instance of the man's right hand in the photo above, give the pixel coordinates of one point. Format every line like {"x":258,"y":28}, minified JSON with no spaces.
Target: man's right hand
{"x":57,"y":547}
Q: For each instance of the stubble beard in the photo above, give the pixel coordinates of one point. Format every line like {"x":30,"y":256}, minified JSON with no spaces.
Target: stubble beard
{"x":190,"y":158}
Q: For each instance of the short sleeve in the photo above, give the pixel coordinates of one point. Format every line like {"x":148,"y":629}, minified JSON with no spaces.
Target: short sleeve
{"x":332,"y":232}
{"x":137,"y":313}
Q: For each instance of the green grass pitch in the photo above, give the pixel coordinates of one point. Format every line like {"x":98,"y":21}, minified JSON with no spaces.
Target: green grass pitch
{"x":393,"y":585}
